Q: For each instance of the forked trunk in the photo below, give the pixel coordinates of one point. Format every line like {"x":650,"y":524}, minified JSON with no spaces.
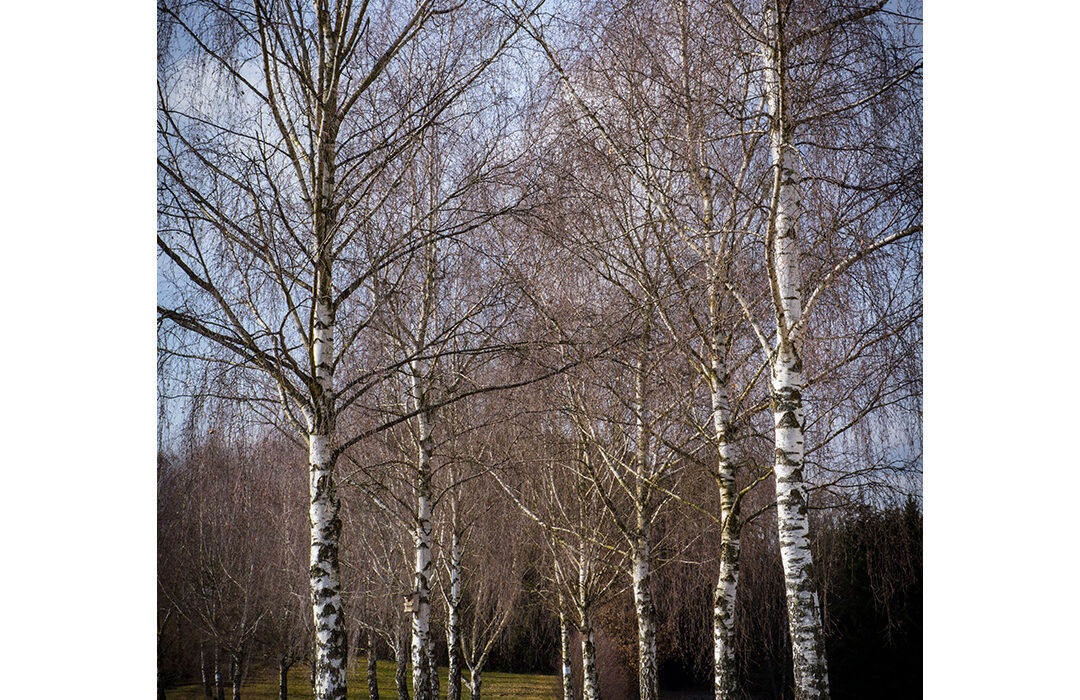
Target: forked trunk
{"x":476,"y":679}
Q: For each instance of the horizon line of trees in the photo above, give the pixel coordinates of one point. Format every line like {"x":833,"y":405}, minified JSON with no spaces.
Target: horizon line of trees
{"x":233,"y":593}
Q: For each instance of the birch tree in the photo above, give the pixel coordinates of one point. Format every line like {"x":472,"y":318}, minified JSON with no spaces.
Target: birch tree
{"x":625,"y":241}
{"x":466,"y":526}
{"x":274,"y":154}
{"x":380,"y":556}
{"x":713,"y":237}
{"x":644,"y":95}
{"x":440,"y":328}
{"x":557,"y":495}
{"x":491,"y":571}
{"x":855,"y":92}
{"x":304,"y":101}
{"x":781,"y":34}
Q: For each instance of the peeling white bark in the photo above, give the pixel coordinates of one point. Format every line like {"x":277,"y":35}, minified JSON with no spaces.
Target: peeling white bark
{"x":453,"y":625}
{"x":724,"y":672}
{"x":648,"y":685}
{"x":804,"y":618}
{"x":421,"y":617}
{"x":331,"y":645}
{"x":565,"y":670}
{"x":644,"y":609}
{"x":590,"y":682}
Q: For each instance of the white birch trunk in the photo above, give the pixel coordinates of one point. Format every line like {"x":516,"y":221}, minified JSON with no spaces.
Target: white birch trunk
{"x":724,"y":675}
{"x":590,"y":685}
{"x":453,"y":631}
{"x":421,"y":617}
{"x":433,"y":669}
{"x":804,"y":618}
{"x":589,"y":681}
{"x":331,"y":639}
{"x":566,"y":670}
{"x":331,"y":645}
{"x":724,"y":672}
{"x":645,"y":610}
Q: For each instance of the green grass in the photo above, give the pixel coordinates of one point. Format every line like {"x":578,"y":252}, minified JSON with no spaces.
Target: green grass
{"x":263,"y":686}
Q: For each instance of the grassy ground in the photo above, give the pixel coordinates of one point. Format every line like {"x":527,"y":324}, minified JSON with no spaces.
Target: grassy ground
{"x":496,"y":685}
